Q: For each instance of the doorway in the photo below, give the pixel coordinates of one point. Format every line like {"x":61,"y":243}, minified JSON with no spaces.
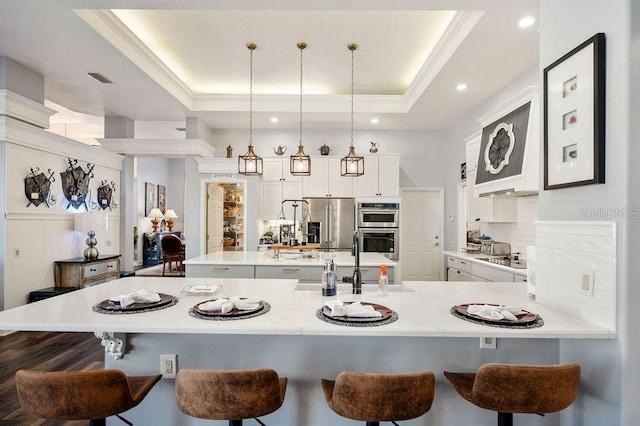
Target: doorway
{"x":421,"y":234}
{"x":225,"y":217}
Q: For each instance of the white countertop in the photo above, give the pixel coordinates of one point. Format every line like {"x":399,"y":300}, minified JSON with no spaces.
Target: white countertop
{"x":292,"y":258}
{"x":473,"y":257}
{"x":422,"y":313}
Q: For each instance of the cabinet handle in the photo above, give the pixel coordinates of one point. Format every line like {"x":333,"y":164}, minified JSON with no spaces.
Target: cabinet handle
{"x":290,"y":269}
{"x":220,"y":268}
{"x":463,"y":262}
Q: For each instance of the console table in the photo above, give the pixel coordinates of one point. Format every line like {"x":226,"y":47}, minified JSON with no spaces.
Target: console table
{"x":80,"y":272}
{"x":152,"y":249}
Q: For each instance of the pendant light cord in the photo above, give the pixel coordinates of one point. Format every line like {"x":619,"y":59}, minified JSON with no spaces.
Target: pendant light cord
{"x":301,"y":46}
{"x":251,"y":48}
{"x":352,"y":72}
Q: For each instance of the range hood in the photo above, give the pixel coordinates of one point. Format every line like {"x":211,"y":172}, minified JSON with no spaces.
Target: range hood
{"x":508,"y":162}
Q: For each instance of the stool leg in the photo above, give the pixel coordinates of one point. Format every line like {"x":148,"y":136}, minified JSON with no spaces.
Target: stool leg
{"x":97,"y":422}
{"x":505,"y":419}
{"x":235,"y":422}
{"x":373,"y":424}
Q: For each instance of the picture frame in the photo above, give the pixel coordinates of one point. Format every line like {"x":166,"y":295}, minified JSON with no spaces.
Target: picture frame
{"x":162,"y":198}
{"x":150,"y":197}
{"x":574,"y":116}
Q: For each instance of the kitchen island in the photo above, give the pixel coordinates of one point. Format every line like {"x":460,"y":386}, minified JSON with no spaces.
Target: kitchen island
{"x":293,"y":341}
{"x":288,"y":264}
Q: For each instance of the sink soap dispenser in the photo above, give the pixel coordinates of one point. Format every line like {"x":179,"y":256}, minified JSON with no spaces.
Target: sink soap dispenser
{"x":329,"y":278}
{"x":383,"y":281}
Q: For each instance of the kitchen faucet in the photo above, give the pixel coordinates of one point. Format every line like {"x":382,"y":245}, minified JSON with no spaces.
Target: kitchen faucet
{"x":356,"y":279}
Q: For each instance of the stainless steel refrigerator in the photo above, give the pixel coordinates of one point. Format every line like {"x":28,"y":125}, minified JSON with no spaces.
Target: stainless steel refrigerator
{"x":329,"y":222}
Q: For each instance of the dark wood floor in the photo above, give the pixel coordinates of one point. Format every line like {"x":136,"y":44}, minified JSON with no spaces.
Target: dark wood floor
{"x":47,"y":352}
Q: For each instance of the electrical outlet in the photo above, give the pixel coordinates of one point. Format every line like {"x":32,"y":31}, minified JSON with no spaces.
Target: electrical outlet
{"x":16,"y":253}
{"x":168,"y":366}
{"x":588,"y":282}
{"x":488,"y":343}
{"x":107,"y":243}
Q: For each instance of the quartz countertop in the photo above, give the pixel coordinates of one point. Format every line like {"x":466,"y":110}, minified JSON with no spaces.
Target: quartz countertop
{"x":423,"y":310}
{"x":290,"y":257}
{"x":473,"y":257}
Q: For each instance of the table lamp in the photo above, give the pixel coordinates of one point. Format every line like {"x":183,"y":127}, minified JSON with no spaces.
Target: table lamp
{"x":90,"y":223}
{"x":154,"y":215}
{"x":170,"y":215}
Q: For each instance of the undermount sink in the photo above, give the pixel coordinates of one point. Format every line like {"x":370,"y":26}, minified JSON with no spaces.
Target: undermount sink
{"x":346,"y":288}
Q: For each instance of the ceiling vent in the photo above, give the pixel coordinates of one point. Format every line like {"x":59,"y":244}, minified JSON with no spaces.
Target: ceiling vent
{"x":101,"y":78}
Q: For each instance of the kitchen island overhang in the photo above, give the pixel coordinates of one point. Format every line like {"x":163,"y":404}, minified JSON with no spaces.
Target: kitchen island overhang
{"x":293,"y":341}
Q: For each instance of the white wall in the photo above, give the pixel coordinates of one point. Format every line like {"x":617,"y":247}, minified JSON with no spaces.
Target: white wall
{"x":609,"y":368}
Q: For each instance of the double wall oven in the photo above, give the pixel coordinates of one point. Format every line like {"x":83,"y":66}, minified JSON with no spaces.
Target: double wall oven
{"x":378,"y":226}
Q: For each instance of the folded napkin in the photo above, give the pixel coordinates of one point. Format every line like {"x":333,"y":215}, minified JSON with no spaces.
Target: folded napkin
{"x":226,"y":305}
{"x":140,"y":296}
{"x":494,"y":312}
{"x":355,"y":309}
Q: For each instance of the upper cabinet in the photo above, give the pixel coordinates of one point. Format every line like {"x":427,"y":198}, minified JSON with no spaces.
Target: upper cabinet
{"x":278,"y":184}
{"x":472,"y":152}
{"x":325,"y":179}
{"x":275,"y":169}
{"x":381,"y":176}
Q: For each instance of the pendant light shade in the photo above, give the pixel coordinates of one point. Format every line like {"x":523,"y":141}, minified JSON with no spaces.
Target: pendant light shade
{"x":300,"y":163}
{"x":352,"y":165}
{"x":250,"y":164}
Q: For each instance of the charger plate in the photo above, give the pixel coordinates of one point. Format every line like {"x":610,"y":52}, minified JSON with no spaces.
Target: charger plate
{"x":113,"y":308}
{"x":525,"y":320}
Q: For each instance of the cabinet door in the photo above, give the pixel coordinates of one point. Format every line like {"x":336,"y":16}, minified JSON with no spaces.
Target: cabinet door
{"x":317,"y":185}
{"x":339,"y":186}
{"x":277,"y":169}
{"x":388,"y":175}
{"x":472,"y":153}
{"x":271,"y":199}
{"x":292,"y":191}
{"x":479,"y":209}
{"x":367,"y":184}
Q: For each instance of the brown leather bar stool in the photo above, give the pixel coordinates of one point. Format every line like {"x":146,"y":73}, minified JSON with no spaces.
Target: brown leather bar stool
{"x":376,"y":398}
{"x":231,"y":395}
{"x":509,"y":388}
{"x":83,"y":395}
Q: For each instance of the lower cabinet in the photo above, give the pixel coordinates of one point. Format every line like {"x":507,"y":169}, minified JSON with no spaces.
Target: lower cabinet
{"x":304,"y":274}
{"x":220,"y":271}
{"x":459,"y":269}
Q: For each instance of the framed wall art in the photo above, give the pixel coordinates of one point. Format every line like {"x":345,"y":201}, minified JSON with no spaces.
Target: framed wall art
{"x":150,"y":197}
{"x":574,"y":117}
{"x":162,"y":198}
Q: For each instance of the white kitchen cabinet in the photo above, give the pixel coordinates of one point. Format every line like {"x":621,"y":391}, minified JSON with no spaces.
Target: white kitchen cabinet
{"x":273,"y":193}
{"x":520,"y":278}
{"x":279,"y":184}
{"x":325,"y":179}
{"x":472,"y":152}
{"x":458,"y":269}
{"x":220,"y":271}
{"x":489,"y":209}
{"x":277,"y":169}
{"x":381,"y":176}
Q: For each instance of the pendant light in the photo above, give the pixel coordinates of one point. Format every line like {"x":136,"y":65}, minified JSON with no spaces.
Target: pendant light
{"x":300,"y":163}
{"x":352,"y":165}
{"x":250,"y":164}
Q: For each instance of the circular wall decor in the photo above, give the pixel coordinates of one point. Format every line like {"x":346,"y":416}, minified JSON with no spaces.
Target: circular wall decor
{"x":499,"y":148}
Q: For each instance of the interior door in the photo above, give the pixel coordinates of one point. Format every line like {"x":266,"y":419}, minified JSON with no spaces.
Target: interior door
{"x":215,"y":196}
{"x":421,"y":229}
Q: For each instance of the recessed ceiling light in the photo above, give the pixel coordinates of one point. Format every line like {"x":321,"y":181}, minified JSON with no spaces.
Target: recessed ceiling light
{"x":461,"y":87}
{"x":274,"y":119}
{"x":374,"y":121}
{"x":526,"y":22}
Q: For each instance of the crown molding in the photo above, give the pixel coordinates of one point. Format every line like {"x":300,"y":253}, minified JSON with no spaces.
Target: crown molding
{"x":167,"y":148}
{"x":22,"y":134}
{"x":24,"y":109}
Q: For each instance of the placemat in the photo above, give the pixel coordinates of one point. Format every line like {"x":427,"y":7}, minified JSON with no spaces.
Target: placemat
{"x":262,"y":311}
{"x":539,"y":322}
{"x":392,"y":318}
{"x":97,"y":308}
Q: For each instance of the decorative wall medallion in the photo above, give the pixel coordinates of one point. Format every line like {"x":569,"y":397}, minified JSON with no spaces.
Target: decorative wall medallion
{"x":499,"y":148}
{"x":105,"y":195}
{"x":37,"y":187}
{"x":75,"y":184}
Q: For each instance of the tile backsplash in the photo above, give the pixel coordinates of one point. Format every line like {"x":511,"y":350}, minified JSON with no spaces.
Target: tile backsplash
{"x":565,"y":253}
{"x":519,"y":234}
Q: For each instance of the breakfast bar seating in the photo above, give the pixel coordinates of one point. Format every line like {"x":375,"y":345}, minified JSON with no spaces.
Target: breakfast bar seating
{"x":231,"y":395}
{"x":376,"y":398}
{"x":82,"y":395}
{"x":510,"y":388}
